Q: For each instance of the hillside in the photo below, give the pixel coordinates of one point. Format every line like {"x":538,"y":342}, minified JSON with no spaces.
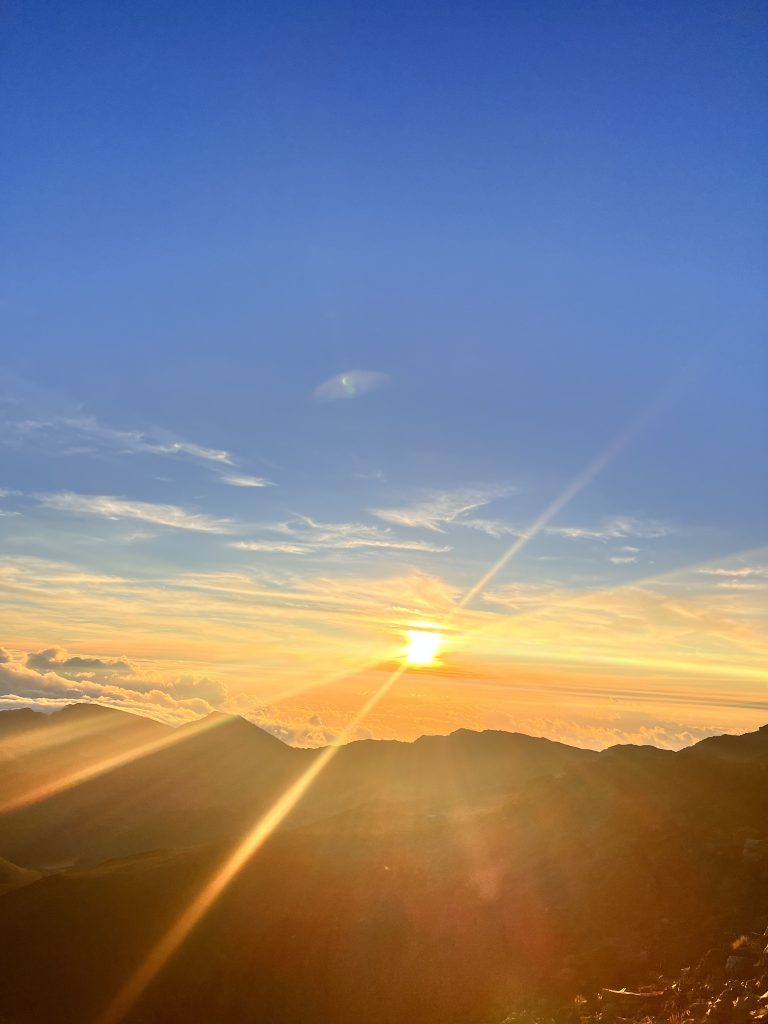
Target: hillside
{"x":215,"y":775}
{"x":439,"y":881}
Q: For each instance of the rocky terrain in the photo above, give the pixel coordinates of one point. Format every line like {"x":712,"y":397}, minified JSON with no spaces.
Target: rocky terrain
{"x":728,"y":985}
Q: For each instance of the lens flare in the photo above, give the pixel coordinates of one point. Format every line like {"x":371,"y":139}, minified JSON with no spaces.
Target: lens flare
{"x":351,"y":384}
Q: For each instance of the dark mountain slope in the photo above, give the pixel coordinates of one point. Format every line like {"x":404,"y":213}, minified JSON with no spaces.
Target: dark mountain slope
{"x":432,"y":882}
{"x":14,"y":877}
{"x":216,"y":776}
{"x":748,"y":747}
{"x":465,"y":766}
{"x":174,"y":787}
{"x":383,"y":914}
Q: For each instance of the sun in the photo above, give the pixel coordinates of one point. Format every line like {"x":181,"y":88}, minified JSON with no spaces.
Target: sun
{"x":422,"y":647}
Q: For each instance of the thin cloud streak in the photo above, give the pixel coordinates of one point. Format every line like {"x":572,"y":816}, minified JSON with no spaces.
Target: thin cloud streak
{"x":305,"y":535}
{"x":72,"y":434}
{"x":88,"y":428}
{"x":616,"y":528}
{"x":439,"y":509}
{"x":246,"y":481}
{"x":107,"y":506}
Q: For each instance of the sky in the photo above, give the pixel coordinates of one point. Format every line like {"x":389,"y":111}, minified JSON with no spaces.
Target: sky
{"x":312,"y":315}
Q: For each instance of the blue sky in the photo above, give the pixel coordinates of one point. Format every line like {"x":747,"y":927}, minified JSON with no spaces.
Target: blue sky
{"x":533,"y":224}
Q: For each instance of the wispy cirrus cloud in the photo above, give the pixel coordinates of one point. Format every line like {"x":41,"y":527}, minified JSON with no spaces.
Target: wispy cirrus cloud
{"x":362,"y":535}
{"x":65,"y":431}
{"x":107,"y":506}
{"x":274,"y":547}
{"x":438,"y":509}
{"x":5,"y":492}
{"x":196,"y":451}
{"x":74,"y":434}
{"x":306,"y":536}
{"x":240,"y":480}
{"x":493,"y":527}
{"x":737,"y":576}
{"x":614,"y":528}
{"x":735,"y":571}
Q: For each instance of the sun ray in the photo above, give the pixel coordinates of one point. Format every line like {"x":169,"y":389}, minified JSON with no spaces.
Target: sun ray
{"x":566,"y":496}
{"x":334,"y":677}
{"x":56,"y":733}
{"x":107,"y":764}
{"x":175,"y":936}
{"x":172,"y":939}
{"x":640,"y":581}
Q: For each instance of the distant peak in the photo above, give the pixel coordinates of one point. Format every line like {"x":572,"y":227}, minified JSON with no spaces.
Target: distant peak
{"x":86,"y":708}
{"x":243,"y":726}
{"x":220,"y":716}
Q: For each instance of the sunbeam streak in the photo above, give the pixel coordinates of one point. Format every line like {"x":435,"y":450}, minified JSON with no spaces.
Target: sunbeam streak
{"x":161,"y":953}
{"x":33,"y":741}
{"x":575,"y":487}
{"x":586,"y":596}
{"x":107,"y":764}
{"x":173,"y":938}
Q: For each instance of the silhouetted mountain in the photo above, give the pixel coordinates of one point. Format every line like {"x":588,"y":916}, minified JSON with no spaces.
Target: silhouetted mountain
{"x":214,"y":775}
{"x":749,"y":747}
{"x":13,"y":877}
{"x":437,"y":881}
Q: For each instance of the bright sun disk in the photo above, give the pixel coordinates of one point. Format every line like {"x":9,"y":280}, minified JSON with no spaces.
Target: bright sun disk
{"x":422,"y":647}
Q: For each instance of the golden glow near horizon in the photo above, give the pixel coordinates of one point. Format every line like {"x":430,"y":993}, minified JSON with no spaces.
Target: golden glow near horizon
{"x":248,"y":608}
{"x":423,"y":646}
{"x":422,"y":649}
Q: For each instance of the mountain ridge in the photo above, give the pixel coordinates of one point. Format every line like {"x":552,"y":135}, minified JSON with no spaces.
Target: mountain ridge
{"x":79,"y":708}
{"x":435,"y":881}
